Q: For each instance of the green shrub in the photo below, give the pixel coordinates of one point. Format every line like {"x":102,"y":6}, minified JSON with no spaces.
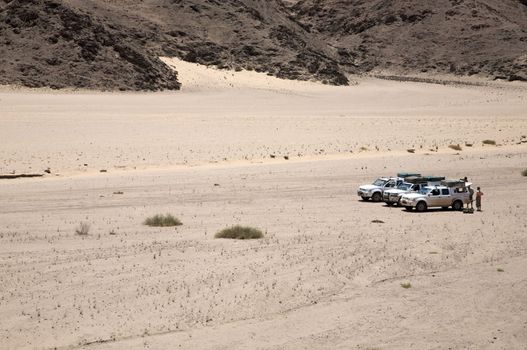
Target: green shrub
{"x":406,"y":285}
{"x":162,"y":221}
{"x":240,"y":232}
{"x":489,"y":142}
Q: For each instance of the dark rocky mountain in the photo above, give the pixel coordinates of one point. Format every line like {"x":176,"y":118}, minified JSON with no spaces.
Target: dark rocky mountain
{"x":460,"y":37}
{"x":115,"y":44}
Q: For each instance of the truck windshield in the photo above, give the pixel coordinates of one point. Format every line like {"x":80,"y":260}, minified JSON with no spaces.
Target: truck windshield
{"x":379,"y":182}
{"x":424,"y":190}
{"x":404,"y":187}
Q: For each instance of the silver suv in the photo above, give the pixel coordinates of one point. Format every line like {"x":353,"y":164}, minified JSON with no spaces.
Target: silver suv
{"x":437,"y":196}
{"x":375,"y":190}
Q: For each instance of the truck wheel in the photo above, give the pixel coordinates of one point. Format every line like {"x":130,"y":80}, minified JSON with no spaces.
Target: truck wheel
{"x":421,"y":206}
{"x":377,"y":197}
{"x":457,"y":205}
{"x":408,"y":208}
{"x":389,"y":204}
{"x":364,"y":198}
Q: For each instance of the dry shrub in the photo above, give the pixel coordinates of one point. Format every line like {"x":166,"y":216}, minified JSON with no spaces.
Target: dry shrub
{"x":456,"y":147}
{"x":240,"y":232}
{"x":83,"y":229}
{"x":489,"y":142}
{"x":162,"y":221}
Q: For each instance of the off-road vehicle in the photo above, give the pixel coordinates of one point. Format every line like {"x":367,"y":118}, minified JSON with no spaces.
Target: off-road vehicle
{"x":451,"y":193}
{"x":411,"y":184}
{"x":375,"y":190}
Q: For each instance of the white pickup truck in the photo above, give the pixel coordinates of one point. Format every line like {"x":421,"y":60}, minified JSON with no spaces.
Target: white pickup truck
{"x":375,"y":190}
{"x":437,"y":196}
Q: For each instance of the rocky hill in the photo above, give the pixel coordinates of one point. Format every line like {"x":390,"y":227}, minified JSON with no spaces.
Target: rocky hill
{"x":460,"y":37}
{"x":115,"y":44}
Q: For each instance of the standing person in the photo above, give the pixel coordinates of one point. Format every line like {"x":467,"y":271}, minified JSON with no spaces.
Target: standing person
{"x":470,"y":197}
{"x":478,"y":199}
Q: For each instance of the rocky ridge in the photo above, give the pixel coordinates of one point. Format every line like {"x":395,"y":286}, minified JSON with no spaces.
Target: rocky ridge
{"x":115,"y":44}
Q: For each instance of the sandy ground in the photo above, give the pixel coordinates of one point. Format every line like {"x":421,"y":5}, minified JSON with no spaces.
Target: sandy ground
{"x":324,"y":277}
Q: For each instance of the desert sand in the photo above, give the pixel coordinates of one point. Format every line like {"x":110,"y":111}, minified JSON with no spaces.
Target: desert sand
{"x":214,"y":155}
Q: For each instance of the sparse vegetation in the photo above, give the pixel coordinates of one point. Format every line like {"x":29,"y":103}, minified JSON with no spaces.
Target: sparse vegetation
{"x":406,"y":285}
{"x":456,"y":147}
{"x":489,"y":142}
{"x":163,"y":221}
{"x":524,"y":172}
{"x":433,"y":252}
{"x":467,"y":144}
{"x":83,"y":229}
{"x":240,"y":232}
{"x":377,"y":221}
{"x":410,"y":150}
{"x":500,"y":269}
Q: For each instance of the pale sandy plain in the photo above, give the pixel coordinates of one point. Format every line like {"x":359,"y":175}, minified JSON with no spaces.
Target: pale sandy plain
{"x":324,"y":277}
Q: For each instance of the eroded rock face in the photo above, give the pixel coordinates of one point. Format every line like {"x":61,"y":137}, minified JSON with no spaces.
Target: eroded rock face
{"x":116,"y":44}
{"x":445,"y":36}
{"x":47,"y":43}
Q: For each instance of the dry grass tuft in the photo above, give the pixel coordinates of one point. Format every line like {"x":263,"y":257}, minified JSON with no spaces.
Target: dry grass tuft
{"x":162,"y":221}
{"x":83,"y":229}
{"x":240,"y":232}
{"x":489,"y":142}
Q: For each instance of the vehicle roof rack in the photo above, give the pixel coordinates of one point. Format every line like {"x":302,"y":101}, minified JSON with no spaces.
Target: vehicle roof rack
{"x":453,"y":183}
{"x":405,"y":174}
{"x":424,"y":179}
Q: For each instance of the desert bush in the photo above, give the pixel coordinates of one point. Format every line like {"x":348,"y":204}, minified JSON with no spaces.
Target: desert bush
{"x":240,"y":232}
{"x":406,"y":285}
{"x":455,"y":147}
{"x":489,"y":142}
{"x":524,"y":172}
{"x":83,"y":229}
{"x":162,"y":221}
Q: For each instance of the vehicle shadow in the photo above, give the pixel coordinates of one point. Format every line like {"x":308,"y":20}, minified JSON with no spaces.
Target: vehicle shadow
{"x":432,"y":210}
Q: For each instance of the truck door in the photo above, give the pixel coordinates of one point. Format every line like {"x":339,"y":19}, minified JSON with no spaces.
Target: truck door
{"x":445,"y":197}
{"x":434,"y":198}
